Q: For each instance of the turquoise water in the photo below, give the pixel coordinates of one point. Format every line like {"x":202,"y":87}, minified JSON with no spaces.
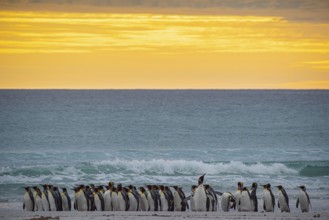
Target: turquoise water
{"x":66,"y":137}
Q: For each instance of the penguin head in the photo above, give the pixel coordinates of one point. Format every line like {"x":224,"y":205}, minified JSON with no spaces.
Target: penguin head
{"x":264,"y":186}
{"x":142,"y":189}
{"x":244,"y":189}
{"x":27,"y":188}
{"x":279,"y":187}
{"x":201,"y":179}
{"x":254,"y":186}
{"x":193,"y":188}
{"x":175,"y":187}
{"x":268,"y":186}
{"x":111,"y":184}
{"x":162,"y":188}
{"x":302,"y":188}
{"x":119,"y":188}
{"x":45,"y":186}
{"x":240,"y":185}
{"x":64,"y":189}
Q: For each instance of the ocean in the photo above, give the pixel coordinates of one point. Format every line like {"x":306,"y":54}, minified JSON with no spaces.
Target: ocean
{"x":170,"y":137}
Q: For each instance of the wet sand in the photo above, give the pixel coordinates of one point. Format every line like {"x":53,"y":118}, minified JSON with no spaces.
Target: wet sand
{"x":75,"y":215}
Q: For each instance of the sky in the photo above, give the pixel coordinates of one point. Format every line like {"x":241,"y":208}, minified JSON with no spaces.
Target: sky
{"x":164,"y":44}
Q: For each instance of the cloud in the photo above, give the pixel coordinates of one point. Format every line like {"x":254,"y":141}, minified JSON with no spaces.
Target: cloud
{"x":295,"y":10}
{"x":44,"y":32}
{"x":282,"y":4}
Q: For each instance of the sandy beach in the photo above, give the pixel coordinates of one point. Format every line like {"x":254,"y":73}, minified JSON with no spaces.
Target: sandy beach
{"x":20,"y":215}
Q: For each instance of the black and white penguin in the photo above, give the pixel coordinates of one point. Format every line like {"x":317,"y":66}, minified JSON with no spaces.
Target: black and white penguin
{"x":283,"y":199}
{"x":171,"y":199}
{"x":164,"y":199}
{"x":52,"y":198}
{"x":212,"y":200}
{"x":200,"y":197}
{"x":227,"y":202}
{"x":29,"y":200}
{"x":268,"y":198}
{"x":115,"y":199}
{"x":237,"y":195}
{"x":192,"y":201}
{"x":108,"y":199}
{"x":180,"y":201}
{"x":245,"y":200}
{"x":98,"y":198}
{"x":133,"y":198}
{"x":303,"y":199}
{"x":81,"y":199}
{"x":58,"y":198}
{"x":123,"y":202}
{"x":144,"y":203}
{"x":253,"y":196}
{"x":151,"y":198}
{"x":38,"y":199}
{"x":66,"y":200}
{"x":45,"y":199}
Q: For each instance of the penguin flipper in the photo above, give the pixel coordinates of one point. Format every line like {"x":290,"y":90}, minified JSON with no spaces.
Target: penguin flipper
{"x":297,"y":203}
{"x":278,"y":204}
{"x":218,"y":193}
{"x":264,"y":206}
{"x":23,"y":205}
{"x":308,"y":198}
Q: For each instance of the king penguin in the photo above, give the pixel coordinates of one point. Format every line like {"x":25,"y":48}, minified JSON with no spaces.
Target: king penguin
{"x":38,"y":199}
{"x":81,"y":199}
{"x":180,"y":201}
{"x":133,"y":198}
{"x":144,"y":203}
{"x":98,"y":198}
{"x":45,"y":199}
{"x":108,"y":199}
{"x":268,"y":197}
{"x":303,"y":199}
{"x":51,"y":198}
{"x":253,"y":195}
{"x":29,"y":201}
{"x":237,"y":195}
{"x":66,"y":200}
{"x":283,"y":200}
{"x":200,"y":197}
{"x":164,"y":199}
{"x":227,"y":202}
{"x":245,"y":200}
{"x":192,"y":201}
{"x":123,"y":203}
{"x":115,"y":199}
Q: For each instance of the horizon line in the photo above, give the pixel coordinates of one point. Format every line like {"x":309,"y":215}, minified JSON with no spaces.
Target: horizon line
{"x":269,"y":89}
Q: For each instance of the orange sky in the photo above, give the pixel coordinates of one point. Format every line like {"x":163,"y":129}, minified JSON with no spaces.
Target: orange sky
{"x":129,"y":48}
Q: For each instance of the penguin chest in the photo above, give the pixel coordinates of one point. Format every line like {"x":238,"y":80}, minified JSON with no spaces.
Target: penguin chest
{"x":282,"y":201}
{"x":28,"y":202}
{"x":267,"y":201}
{"x":177,"y":202}
{"x":303,"y":200}
{"x":164,"y":202}
{"x":200,"y":199}
{"x":245,"y":203}
{"x":121,"y":202}
{"x":144,"y":203}
{"x":107,"y":201}
{"x":225,"y":202}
